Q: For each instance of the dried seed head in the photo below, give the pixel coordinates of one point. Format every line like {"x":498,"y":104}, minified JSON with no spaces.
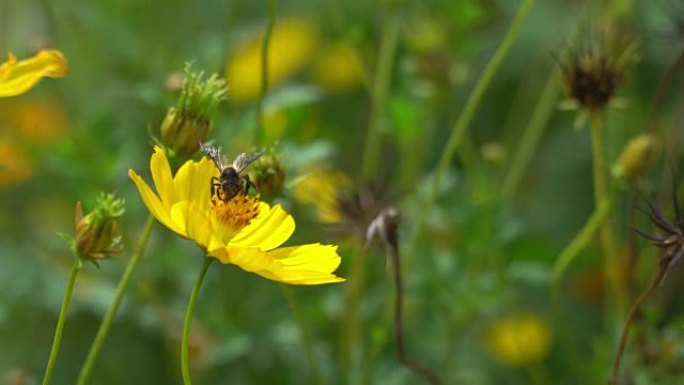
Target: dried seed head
{"x":593,"y":78}
{"x":669,"y":238}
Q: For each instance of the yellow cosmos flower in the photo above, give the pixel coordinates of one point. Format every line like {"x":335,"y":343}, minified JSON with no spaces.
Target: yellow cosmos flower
{"x":519,"y":339}
{"x":17,"y":77}
{"x":242,"y":231}
{"x":292,"y":45}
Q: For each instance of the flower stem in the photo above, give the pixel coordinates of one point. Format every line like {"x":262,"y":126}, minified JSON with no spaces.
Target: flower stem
{"x":393,"y":254}
{"x":389,"y":38}
{"x":108,"y":319}
{"x":62,"y":319}
{"x":530,"y":139}
{"x":461,"y":125}
{"x":259,"y":132}
{"x":314,"y":366}
{"x":581,"y":240}
{"x":606,"y":236}
{"x":185,"y":343}
{"x":628,"y":322}
{"x":349,"y":337}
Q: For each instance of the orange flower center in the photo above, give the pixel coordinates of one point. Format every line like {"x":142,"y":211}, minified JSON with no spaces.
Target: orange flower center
{"x":237,"y":211}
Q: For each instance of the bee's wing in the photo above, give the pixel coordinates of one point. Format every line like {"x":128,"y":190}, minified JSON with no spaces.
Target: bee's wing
{"x":214,"y":153}
{"x":243,"y":160}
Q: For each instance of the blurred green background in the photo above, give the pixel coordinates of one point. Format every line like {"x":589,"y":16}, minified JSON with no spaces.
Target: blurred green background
{"x":478,"y":308}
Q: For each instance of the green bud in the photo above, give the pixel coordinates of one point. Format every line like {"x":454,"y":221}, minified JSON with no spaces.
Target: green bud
{"x":637,"y":157}
{"x":97,"y":233}
{"x":189,"y":122}
{"x":268,"y":174}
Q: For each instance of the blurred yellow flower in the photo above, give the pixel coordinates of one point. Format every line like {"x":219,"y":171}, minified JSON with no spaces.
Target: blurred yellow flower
{"x":338,"y":68}
{"x":322,"y":188}
{"x":519,"y":339}
{"x":17,"y":77}
{"x":292,"y":45}
{"x":15,"y":166}
{"x":242,"y":231}
{"x":39,"y":121}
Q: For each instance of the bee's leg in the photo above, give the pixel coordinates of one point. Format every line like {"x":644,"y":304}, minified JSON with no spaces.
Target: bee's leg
{"x":249,"y":183}
{"x":214,"y":183}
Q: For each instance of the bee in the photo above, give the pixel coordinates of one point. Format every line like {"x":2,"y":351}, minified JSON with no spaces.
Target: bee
{"x":230,"y":181}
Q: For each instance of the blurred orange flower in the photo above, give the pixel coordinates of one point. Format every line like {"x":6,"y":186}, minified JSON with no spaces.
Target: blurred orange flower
{"x":292,"y":45}
{"x":15,"y":166}
{"x":17,"y":77}
{"x":38,"y":121}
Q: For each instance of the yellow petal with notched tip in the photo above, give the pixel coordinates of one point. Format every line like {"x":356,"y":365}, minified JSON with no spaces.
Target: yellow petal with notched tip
{"x":270,"y":229}
{"x":17,"y":77}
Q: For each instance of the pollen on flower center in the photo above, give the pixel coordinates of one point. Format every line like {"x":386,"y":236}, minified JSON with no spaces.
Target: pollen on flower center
{"x":237,"y":211}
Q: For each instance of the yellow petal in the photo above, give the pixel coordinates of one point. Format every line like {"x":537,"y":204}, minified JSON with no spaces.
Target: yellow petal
{"x":161,"y":174}
{"x":193,"y":181}
{"x":18,"y":77}
{"x":270,"y":229}
{"x":151,"y":200}
{"x":311,"y":264}
{"x":198,"y":225}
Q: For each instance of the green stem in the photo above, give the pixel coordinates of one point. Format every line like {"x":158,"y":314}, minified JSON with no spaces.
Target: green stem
{"x":383,"y":74}
{"x":259,"y":132}
{"x":185,"y":343}
{"x":314,"y":366}
{"x":581,"y":240}
{"x":62,"y":319}
{"x":461,"y":125}
{"x":606,"y":236}
{"x":349,"y":336}
{"x":108,"y":319}
{"x":463,"y":121}
{"x":530,"y":139}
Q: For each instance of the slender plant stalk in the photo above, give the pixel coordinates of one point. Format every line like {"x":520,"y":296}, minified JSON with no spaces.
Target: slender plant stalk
{"x":389,"y":38}
{"x":461,"y":125}
{"x":628,"y":322}
{"x":349,"y":337}
{"x":531,"y":136}
{"x":259,"y":132}
{"x":62,"y":319}
{"x":314,"y":366}
{"x":185,"y":343}
{"x":581,"y":240}
{"x":606,"y":236}
{"x":108,"y":319}
{"x":393,"y":254}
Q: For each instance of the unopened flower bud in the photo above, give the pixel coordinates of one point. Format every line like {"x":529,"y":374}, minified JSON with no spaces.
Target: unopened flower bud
{"x":97,"y":233}
{"x":268,"y":174}
{"x":189,"y":122}
{"x":637,"y":157}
